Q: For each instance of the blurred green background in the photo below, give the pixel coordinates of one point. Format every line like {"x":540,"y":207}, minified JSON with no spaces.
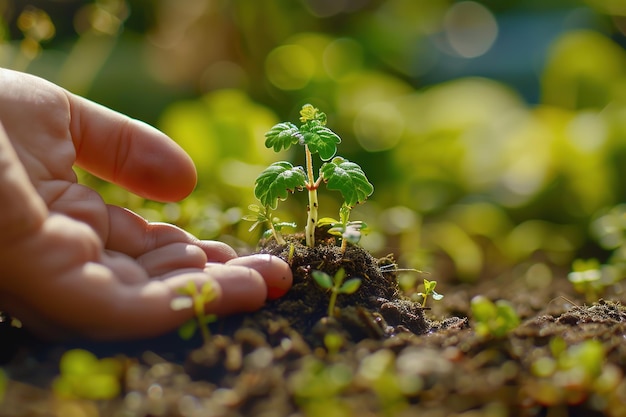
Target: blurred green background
{"x":494,"y":132}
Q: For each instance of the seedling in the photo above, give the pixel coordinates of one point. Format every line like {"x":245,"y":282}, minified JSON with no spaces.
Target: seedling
{"x":586,"y":277}
{"x":336,"y":285}
{"x":349,"y":231}
{"x":263,"y":215}
{"x":429,"y":289}
{"x":493,"y":319}
{"x":84,"y":376}
{"x":282,"y":178}
{"x":191,"y":297}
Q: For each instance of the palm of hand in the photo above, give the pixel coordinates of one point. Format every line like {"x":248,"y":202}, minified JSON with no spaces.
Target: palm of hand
{"x":111,"y":265}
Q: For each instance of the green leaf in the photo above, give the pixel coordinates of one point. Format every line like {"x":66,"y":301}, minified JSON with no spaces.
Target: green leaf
{"x":320,"y":139}
{"x":350,"y":286}
{"x":204,"y":320}
{"x":327,"y":221}
{"x":187,"y":329}
{"x":323,"y":279}
{"x":429,"y":286}
{"x":483,"y":308}
{"x":348,"y":178}
{"x":309,"y":112}
{"x":339,"y":277}
{"x":276,"y":181}
{"x":282,"y":136}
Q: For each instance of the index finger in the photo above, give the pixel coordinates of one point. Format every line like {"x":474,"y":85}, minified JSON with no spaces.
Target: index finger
{"x":128,"y":152}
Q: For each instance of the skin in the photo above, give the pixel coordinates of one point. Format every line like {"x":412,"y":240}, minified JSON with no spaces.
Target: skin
{"x":71,"y":265}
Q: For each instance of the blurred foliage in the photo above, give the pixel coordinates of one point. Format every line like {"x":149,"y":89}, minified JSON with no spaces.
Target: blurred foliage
{"x":492,"y":131}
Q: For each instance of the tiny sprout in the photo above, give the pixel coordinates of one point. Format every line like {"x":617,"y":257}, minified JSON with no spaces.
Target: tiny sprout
{"x":429,"y":289}
{"x":349,"y":231}
{"x":281,"y":178}
{"x":263,"y":215}
{"x":192,"y":298}
{"x":336,"y":285}
{"x":493,"y":319}
{"x":586,"y":277}
{"x":84,"y":376}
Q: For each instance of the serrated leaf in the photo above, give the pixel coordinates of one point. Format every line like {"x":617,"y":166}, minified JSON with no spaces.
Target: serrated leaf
{"x":276,"y":181}
{"x":348,"y":178}
{"x":350,"y":286}
{"x":282,"y":136}
{"x":320,"y":139}
{"x":322,"y":279}
{"x":309,"y":112}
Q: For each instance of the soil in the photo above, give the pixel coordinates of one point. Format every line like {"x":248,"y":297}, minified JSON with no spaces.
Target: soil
{"x":382,"y":354}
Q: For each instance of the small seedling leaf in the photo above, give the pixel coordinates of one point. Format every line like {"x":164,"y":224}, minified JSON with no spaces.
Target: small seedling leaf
{"x":187,"y":330}
{"x":339,"y":277}
{"x":282,"y":136}
{"x":483,"y":309}
{"x":208,"y":292}
{"x":276,"y":181}
{"x":322,"y":279}
{"x":320,"y":140}
{"x":437,"y":296}
{"x":350,"y":286}
{"x":188,"y":289}
{"x":347,"y":178}
{"x":310,"y":112}
{"x":205,"y":320}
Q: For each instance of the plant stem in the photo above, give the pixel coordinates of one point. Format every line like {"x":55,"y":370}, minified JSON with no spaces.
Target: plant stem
{"x":279,"y":238}
{"x":311,"y":220}
{"x":331,"y":303}
{"x":206,"y":336}
{"x":344,"y":245}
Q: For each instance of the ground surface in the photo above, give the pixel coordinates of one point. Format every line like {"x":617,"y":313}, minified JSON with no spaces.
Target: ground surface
{"x":382,"y":355}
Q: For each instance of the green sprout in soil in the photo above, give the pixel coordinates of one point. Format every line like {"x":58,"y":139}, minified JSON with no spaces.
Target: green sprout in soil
{"x":586,"y":277}
{"x":84,"y":376}
{"x":336,"y":285}
{"x":282,"y":178}
{"x":493,"y":319}
{"x":429,"y":290}
{"x":191,"y":297}
{"x":349,"y":231}
{"x":573,"y":373}
{"x":262,"y":215}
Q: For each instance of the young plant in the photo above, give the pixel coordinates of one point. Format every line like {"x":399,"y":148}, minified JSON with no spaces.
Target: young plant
{"x":586,"y":277}
{"x":263,"y":215}
{"x":429,"y":289}
{"x":282,"y":178}
{"x":191,"y":297}
{"x":336,"y":286}
{"x":84,"y":376}
{"x":493,"y":319}
{"x":349,"y":231}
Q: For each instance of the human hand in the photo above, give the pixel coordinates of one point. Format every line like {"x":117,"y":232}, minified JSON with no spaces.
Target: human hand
{"x":72,"y":265}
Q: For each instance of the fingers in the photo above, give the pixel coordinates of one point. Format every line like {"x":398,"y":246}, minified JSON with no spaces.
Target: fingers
{"x":276,"y":272}
{"x":133,"y":235}
{"x":129,"y":153}
{"x":22,"y":208}
{"x":172,"y":257}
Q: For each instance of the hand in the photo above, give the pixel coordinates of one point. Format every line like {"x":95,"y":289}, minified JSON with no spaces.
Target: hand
{"x":72,"y":265}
